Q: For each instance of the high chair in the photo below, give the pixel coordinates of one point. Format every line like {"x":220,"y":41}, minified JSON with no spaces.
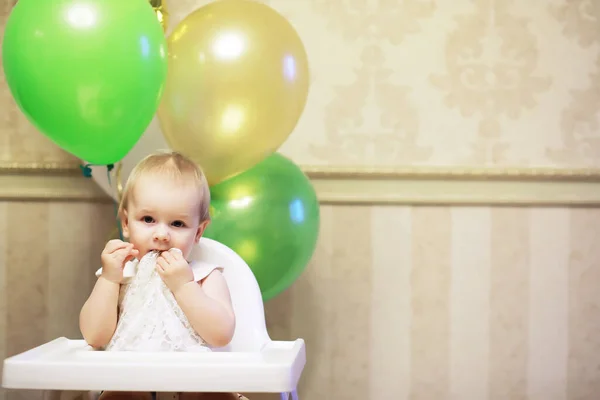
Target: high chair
{"x":251,"y":363}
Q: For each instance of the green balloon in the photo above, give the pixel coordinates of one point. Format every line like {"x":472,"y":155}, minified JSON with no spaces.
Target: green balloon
{"x":88,"y":74}
{"x":269,"y":215}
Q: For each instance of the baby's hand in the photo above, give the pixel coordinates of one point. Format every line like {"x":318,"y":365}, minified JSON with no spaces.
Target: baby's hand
{"x":174,"y":269}
{"x":114,"y":256}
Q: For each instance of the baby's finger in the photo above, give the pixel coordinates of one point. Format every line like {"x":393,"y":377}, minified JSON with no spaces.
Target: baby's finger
{"x":120,"y":246}
{"x":121,"y":254}
{"x":117,"y":243}
{"x":167,"y":256}
{"x":160,"y":266}
{"x":133,"y":253}
{"x":163,"y":263}
{"x":161,"y":259}
{"x":176,"y":254}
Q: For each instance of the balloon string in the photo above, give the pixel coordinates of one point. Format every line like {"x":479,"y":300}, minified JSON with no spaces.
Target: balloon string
{"x":86,"y":169}
{"x":116,"y":205}
{"x":119,"y":182}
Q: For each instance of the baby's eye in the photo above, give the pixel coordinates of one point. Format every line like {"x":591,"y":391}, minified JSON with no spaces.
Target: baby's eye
{"x":148,"y":219}
{"x":178,"y":224}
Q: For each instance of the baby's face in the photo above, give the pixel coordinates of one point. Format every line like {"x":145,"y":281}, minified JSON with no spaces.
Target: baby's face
{"x":161,"y":215}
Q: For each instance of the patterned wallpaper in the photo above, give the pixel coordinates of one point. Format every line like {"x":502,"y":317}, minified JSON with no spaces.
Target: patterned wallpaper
{"x":424,"y":82}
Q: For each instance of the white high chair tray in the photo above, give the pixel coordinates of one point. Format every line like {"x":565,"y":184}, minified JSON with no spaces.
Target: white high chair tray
{"x":64,"y":364}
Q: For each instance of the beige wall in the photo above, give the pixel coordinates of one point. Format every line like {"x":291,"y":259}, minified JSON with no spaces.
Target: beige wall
{"x":449,"y":303}
{"x":402,"y":301}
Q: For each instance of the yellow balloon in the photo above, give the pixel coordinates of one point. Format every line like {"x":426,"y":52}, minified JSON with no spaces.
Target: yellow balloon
{"x":236,"y":86}
{"x":160,"y":9}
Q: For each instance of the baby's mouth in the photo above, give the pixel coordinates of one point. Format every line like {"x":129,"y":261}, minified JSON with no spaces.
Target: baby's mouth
{"x":160,"y":251}
{"x":154,"y":251}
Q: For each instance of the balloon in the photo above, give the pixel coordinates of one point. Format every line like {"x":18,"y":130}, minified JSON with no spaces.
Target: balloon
{"x":269,"y":215}
{"x":87,"y":73}
{"x":236,"y":87}
{"x":160,"y":9}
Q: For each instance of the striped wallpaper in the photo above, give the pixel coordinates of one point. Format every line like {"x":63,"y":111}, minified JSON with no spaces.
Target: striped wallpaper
{"x":441,"y":303}
{"x":428,"y":303}
{"x":48,"y":255}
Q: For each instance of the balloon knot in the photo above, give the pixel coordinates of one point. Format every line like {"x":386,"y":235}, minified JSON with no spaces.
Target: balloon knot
{"x":86,"y":170}
{"x":110,"y":167}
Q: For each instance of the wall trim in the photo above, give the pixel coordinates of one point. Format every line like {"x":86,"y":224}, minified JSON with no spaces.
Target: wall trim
{"x":355,"y":185}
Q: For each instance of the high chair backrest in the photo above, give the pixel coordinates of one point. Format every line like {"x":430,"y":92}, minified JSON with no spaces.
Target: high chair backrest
{"x":250,"y":331}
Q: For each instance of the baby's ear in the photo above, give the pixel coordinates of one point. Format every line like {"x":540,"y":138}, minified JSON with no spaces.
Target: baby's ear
{"x":201,"y":229}
{"x":124,"y":223}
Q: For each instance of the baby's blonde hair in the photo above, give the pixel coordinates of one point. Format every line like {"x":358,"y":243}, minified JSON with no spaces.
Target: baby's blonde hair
{"x":175,"y":166}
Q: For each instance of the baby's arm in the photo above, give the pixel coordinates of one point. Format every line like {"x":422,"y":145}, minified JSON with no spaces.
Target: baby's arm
{"x":98,"y":317}
{"x":207,"y":305}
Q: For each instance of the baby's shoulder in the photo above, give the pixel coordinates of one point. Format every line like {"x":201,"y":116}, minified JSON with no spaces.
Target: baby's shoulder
{"x":202,"y":269}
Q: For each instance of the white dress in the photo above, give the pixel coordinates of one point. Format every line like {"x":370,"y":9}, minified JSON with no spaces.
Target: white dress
{"x":149,"y":317}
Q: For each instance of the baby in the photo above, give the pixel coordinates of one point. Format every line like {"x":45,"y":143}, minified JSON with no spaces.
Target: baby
{"x":164,"y":211}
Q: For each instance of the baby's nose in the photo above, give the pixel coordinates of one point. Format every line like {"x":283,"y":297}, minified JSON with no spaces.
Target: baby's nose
{"x":161,"y":234}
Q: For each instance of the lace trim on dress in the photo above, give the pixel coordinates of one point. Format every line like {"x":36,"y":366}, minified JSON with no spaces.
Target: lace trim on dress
{"x":150,"y":318}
